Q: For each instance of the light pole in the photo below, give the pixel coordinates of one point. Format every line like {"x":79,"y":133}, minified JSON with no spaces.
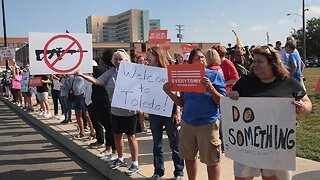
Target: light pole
{"x":4,"y":32}
{"x":180,"y":29}
{"x":304,"y":45}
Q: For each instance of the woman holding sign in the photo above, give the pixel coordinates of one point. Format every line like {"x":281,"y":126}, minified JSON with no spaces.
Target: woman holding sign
{"x":200,"y":120}
{"x":156,"y":57}
{"x":268,"y":77}
{"x":123,"y":120}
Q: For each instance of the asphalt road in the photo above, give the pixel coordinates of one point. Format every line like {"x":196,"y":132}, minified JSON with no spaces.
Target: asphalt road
{"x":28,"y":153}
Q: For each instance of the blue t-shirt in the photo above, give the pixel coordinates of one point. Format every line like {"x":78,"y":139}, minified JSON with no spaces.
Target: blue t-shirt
{"x":199,"y":108}
{"x":295,"y":57}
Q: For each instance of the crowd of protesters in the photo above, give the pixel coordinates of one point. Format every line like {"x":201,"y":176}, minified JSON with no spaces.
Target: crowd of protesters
{"x":231,"y":72}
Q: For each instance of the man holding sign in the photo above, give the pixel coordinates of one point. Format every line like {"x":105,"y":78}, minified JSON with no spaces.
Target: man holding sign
{"x":269,"y":78}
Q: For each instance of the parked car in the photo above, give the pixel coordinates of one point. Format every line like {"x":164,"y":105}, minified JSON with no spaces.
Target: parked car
{"x":312,"y":62}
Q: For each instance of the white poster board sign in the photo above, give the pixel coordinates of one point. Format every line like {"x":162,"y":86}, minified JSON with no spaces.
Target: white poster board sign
{"x":53,"y":53}
{"x":260,"y":132}
{"x":140,"y":87}
{"x":7,"y":53}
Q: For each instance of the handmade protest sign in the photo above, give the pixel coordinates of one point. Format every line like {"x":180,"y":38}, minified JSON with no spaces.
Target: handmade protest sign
{"x":25,"y":82}
{"x":140,"y":87}
{"x":260,"y":132}
{"x":186,"y":77}
{"x":7,"y":53}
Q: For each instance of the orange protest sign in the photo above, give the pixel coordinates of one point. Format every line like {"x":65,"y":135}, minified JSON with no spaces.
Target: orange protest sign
{"x":187,"y":48}
{"x":33,"y":82}
{"x":166,"y":45}
{"x":157,"y":36}
{"x":318,"y":86}
{"x":141,"y":54}
{"x":186,"y":77}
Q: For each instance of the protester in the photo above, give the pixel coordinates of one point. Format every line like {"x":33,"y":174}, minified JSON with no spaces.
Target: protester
{"x":200,"y":124}
{"x":102,"y":108}
{"x":55,"y":94}
{"x":16,"y":84}
{"x":142,"y":60}
{"x":65,"y":103}
{"x":123,"y":121}
{"x":268,"y":78}
{"x":278,"y":46}
{"x":156,"y":57}
{"x":213,"y":60}
{"x":229,"y":70}
{"x":42,"y":93}
{"x":27,"y":95}
{"x":78,"y":104}
{"x":294,"y":63}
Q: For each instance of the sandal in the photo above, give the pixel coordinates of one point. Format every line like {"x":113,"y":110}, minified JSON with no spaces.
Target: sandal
{"x":79,"y":136}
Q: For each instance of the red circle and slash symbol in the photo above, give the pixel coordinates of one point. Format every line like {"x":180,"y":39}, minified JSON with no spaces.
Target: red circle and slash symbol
{"x":51,"y":65}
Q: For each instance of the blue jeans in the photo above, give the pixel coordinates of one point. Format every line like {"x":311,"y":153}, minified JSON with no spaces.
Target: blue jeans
{"x":156,"y":125}
{"x":66,"y":105}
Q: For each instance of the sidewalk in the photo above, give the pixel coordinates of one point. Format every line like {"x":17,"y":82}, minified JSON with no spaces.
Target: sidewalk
{"x":306,"y":169}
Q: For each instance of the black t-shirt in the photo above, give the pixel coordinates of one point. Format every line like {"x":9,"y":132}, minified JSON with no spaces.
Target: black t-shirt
{"x":249,"y":86}
{"x":44,"y":87}
{"x":99,"y":93}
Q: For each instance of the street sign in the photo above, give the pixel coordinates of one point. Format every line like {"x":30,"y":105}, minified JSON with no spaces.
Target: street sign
{"x":52,"y":53}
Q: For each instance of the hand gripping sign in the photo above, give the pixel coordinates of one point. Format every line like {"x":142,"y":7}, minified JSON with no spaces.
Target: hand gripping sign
{"x":60,"y":53}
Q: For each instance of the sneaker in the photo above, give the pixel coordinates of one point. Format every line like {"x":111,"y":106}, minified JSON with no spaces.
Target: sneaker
{"x":96,"y":145}
{"x":62,"y":117}
{"x":156,"y":177}
{"x":103,"y":153}
{"x":133,"y":169}
{"x":110,"y":157}
{"x":178,"y":177}
{"x":118,"y":164}
{"x":64,"y":122}
{"x":40,"y":113}
{"x":56,"y":116}
{"x":47,"y":115}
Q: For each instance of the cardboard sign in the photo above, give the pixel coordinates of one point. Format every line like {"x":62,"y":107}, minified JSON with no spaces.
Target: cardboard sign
{"x":52,"y":53}
{"x":260,"y":132}
{"x":140,"y":87}
{"x":157,"y":36}
{"x":7,"y":53}
{"x":25,"y":82}
{"x":33,"y":82}
{"x":166,"y":45}
{"x":318,"y":86}
{"x":187,"y":48}
{"x":186,"y":77}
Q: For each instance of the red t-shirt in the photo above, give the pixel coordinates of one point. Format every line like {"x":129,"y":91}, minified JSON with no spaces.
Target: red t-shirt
{"x":229,"y":72}
{"x":217,"y":68}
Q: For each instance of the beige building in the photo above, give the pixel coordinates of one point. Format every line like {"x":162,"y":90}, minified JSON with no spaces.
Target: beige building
{"x":130,"y":26}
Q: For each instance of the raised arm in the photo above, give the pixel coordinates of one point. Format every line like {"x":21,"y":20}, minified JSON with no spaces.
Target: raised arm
{"x":175,"y":98}
{"x":88,"y":78}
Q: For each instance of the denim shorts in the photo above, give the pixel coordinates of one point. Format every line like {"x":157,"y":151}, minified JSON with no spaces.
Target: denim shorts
{"x":78,"y":102}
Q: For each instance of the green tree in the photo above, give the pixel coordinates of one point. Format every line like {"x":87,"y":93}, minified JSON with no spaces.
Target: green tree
{"x":312,"y":37}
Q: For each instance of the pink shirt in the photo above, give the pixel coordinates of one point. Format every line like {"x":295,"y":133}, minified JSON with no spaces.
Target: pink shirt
{"x":16,"y":83}
{"x":229,"y":72}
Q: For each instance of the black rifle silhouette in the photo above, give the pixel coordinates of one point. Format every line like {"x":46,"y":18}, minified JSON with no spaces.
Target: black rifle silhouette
{"x":56,"y":51}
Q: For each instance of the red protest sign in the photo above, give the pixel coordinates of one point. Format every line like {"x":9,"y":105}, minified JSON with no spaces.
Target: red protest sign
{"x":187,"y":48}
{"x":33,"y":82}
{"x":157,"y":36}
{"x":186,"y":77}
{"x":166,"y":45}
{"x":318,"y":86}
{"x":141,"y":54}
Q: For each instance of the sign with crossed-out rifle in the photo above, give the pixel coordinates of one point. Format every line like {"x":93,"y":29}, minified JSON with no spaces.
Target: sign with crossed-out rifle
{"x":53,"y":53}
